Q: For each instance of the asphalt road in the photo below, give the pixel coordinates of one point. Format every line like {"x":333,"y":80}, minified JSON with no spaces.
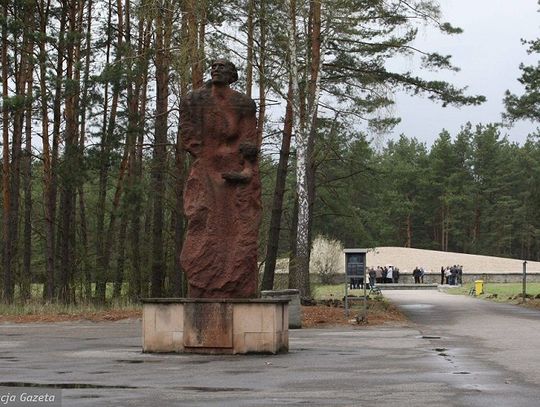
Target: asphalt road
{"x":507,"y":336}
{"x":455,"y":352}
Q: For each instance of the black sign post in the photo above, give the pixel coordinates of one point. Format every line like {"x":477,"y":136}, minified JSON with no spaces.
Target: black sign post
{"x":524,"y":280}
{"x":355,"y":268}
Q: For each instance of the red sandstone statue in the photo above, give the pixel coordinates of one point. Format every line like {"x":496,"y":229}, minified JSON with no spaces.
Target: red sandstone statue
{"x":222,"y":196}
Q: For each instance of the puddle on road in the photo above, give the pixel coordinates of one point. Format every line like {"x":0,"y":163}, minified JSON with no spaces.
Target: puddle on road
{"x":416,"y":306}
{"x":9,"y":358}
{"x":442,"y":352}
{"x":136,"y":361}
{"x":64,"y":385}
{"x":195,"y":362}
{"x":87,"y":396}
{"x":240,"y":372}
{"x":212,"y":389}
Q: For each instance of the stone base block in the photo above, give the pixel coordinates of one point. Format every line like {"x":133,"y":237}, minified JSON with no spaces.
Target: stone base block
{"x":295,"y":309}
{"x":216,"y":326}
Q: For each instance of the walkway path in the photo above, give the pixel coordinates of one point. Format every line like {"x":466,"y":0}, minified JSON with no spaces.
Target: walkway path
{"x":478,"y":361}
{"x":481,"y":331}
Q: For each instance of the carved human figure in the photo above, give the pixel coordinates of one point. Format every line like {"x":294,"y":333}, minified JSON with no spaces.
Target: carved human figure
{"x":222,"y":196}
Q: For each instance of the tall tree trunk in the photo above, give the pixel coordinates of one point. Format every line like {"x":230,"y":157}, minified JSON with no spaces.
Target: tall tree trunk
{"x":22,"y":55}
{"x":49,"y":200}
{"x":249,"y":50}
{"x":279,"y":192}
{"x":195,"y":13}
{"x":119,"y":279}
{"x":262,"y":71}
{"x":293,"y":251}
{"x":70,"y":166}
{"x":103,"y":177}
{"x":159,"y":164}
{"x":27,"y":277}
{"x":109,"y":123}
{"x":180,"y":157}
{"x":6,"y":170}
{"x":87,"y":275}
{"x":111,"y":230}
{"x":408,"y":230}
{"x":136,"y":288}
{"x":178,"y":216}
{"x":86,"y":265}
{"x":306,"y":130}
{"x":294,"y":72}
{"x":57,"y":121}
{"x":139,"y":60}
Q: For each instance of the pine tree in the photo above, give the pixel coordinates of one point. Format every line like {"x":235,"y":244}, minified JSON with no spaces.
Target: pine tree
{"x":526,"y":106}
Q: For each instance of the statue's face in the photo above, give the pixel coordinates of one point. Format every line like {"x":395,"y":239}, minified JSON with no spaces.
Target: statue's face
{"x":222,"y":72}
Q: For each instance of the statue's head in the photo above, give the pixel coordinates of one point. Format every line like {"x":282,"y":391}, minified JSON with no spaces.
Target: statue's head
{"x":223,"y":71}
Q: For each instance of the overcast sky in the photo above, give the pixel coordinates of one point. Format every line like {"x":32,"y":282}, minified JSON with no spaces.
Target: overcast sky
{"x":488,"y":52}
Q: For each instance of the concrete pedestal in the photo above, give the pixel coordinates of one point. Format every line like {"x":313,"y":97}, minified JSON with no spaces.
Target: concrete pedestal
{"x":216,"y":326}
{"x":295,"y":309}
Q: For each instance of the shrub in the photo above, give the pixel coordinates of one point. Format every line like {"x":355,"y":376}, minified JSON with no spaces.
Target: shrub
{"x":326,"y":258}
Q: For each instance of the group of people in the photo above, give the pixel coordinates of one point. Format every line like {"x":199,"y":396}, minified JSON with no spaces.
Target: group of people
{"x":377,"y":275}
{"x":418,"y":274}
{"x":452,"y":275}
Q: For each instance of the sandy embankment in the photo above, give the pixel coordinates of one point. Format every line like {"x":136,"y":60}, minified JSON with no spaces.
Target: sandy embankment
{"x":407,"y":259}
{"x":431,"y":260}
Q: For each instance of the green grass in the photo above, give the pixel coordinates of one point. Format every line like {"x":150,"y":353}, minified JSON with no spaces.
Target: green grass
{"x":499,"y":291}
{"x":36,"y":306}
{"x":335,"y":291}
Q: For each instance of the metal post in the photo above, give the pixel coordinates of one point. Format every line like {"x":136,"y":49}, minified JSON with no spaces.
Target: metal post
{"x":524,"y":280}
{"x":364,"y":316}
{"x":346,"y":295}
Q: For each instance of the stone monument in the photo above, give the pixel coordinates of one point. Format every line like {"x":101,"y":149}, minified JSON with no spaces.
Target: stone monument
{"x":222,"y":203}
{"x":222,"y":196}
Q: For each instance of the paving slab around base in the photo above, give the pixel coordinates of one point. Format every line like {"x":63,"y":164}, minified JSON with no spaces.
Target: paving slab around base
{"x":102,"y":364}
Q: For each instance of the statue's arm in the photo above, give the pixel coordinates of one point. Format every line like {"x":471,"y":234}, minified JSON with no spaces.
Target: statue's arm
{"x":248,"y":145}
{"x":191,"y":140}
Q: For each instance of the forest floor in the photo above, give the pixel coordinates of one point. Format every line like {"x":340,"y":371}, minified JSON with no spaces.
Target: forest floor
{"x":54,"y":315}
{"x":379,"y":312}
{"x":327,"y":311}
{"x":323,"y":314}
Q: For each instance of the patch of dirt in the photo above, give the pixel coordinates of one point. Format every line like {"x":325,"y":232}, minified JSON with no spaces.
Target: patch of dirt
{"x":379,"y":312}
{"x":529,"y":303}
{"x":320,"y":315}
{"x":95,"y":316}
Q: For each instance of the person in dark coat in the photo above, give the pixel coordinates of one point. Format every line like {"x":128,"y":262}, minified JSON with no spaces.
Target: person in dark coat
{"x":372,"y":277}
{"x":442,"y":275}
{"x":416,"y":274}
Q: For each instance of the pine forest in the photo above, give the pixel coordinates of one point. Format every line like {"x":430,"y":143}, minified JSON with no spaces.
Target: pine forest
{"x":93,"y":170}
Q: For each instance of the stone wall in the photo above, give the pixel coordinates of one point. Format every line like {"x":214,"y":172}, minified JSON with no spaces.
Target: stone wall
{"x":429,"y":278}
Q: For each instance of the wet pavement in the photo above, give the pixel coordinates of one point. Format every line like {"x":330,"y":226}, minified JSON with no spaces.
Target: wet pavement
{"x":505,"y":335}
{"x":441,"y":358}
